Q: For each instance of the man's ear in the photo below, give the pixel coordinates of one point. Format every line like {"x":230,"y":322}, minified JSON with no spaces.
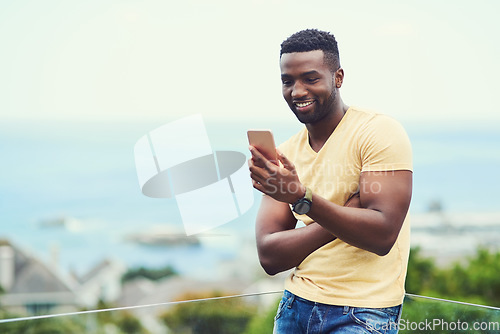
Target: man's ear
{"x":339,"y":77}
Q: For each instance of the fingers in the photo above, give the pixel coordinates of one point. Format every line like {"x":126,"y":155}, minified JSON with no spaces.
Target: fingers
{"x":284,"y":160}
{"x":261,"y":161}
{"x":257,"y":177}
{"x":259,"y":170}
{"x":257,"y":157}
{"x":258,"y":185}
{"x":261,"y":180}
{"x":354,"y":201}
{"x":279,"y":182}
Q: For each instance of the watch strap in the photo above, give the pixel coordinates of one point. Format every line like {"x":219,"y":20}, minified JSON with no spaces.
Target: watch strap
{"x":309,"y":194}
{"x":303,"y":205}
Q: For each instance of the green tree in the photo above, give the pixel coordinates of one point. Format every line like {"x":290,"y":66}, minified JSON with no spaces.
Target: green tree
{"x":149,"y":273}
{"x":129,"y":324}
{"x":123,"y":321}
{"x":59,"y":325}
{"x":263,"y":322}
{"x":474,"y":280}
{"x":221,"y":316}
{"x":430,"y":317}
{"x":479,"y":277}
{"x":422,"y":272}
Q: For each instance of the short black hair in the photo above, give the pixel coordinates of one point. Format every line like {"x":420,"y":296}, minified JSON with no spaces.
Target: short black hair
{"x":313,"y":39}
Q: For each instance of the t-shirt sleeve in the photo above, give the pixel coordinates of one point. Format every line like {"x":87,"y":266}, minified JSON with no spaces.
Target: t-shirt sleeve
{"x":384,"y":145}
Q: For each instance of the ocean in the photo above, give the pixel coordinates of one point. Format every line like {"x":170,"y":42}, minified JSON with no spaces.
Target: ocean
{"x":84,"y":172}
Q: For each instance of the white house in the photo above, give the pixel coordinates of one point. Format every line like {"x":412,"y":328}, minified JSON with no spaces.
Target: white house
{"x":31,"y":286}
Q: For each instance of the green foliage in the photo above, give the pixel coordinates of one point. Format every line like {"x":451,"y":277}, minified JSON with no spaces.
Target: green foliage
{"x":263,"y":323}
{"x":129,"y":324}
{"x":152,"y":274}
{"x":221,"y":316}
{"x":60,"y":325}
{"x":125,"y":321}
{"x":421,"y":272}
{"x":429,"y":317}
{"x":480,"y":276}
{"x":475,"y":280}
{"x":104,"y":317}
{"x":122,"y":323}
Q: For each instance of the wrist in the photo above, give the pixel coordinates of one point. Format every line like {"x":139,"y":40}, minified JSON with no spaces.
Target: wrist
{"x":303,"y":204}
{"x":301,"y":193}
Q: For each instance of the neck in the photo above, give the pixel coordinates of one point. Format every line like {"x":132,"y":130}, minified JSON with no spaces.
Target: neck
{"x":319,"y":132}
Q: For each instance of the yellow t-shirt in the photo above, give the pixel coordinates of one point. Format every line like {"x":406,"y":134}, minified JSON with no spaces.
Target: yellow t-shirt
{"x":338,"y":273}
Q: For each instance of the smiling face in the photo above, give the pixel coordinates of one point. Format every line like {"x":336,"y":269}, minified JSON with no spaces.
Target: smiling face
{"x":309,"y":86}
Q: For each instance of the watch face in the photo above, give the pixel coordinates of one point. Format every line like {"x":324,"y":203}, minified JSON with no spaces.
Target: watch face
{"x":302,"y":207}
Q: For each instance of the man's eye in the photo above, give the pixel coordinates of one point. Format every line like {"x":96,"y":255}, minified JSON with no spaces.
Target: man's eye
{"x":312,"y":80}
{"x":286,"y":82}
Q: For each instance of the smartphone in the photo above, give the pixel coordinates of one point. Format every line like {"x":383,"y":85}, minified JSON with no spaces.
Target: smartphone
{"x":263,"y":140}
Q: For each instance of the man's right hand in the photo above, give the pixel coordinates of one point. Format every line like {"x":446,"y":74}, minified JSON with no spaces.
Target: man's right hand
{"x":280,"y":182}
{"x":353,"y":201}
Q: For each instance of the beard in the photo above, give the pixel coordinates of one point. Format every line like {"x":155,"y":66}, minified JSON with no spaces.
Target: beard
{"x":320,"y":110}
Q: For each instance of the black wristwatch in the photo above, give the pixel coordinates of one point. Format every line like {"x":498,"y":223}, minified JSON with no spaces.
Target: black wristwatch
{"x":303,"y":205}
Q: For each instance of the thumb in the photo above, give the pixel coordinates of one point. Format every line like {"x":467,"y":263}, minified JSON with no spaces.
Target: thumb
{"x":284,"y":160}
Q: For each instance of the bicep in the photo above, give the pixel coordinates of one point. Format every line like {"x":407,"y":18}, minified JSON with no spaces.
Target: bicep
{"x":273,"y":216}
{"x":388,"y":192}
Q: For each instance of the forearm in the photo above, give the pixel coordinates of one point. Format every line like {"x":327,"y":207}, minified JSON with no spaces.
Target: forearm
{"x":373,"y":225}
{"x":365,"y":228}
{"x":283,"y":250}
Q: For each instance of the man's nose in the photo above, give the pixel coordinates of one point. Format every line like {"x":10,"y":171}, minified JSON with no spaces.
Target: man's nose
{"x":298,"y":90}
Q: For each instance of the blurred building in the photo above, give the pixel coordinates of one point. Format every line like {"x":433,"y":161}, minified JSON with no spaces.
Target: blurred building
{"x":30,"y":286}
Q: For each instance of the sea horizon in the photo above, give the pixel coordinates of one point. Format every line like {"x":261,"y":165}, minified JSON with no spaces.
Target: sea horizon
{"x":86,"y":171}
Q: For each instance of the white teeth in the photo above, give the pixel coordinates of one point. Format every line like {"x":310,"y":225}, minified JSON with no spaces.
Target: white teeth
{"x":303,"y":104}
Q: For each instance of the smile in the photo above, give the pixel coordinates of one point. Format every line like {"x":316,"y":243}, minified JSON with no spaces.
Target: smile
{"x":303,"y":104}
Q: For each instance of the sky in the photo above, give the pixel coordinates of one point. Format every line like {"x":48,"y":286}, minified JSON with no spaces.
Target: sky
{"x":418,"y":61}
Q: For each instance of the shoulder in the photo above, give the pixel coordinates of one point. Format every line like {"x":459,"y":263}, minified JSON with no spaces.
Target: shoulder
{"x":367,"y":119}
{"x":383,"y":143}
{"x":367,"y":123}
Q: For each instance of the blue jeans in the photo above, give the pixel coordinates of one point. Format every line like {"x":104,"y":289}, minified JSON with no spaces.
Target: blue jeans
{"x":298,"y":315}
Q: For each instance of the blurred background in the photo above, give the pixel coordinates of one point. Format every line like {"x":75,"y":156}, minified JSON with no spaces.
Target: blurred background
{"x":81,"y":82}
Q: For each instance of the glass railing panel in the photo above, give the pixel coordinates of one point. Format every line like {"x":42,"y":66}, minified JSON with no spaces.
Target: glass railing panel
{"x":212,"y":313}
{"x":430,"y":315}
{"x":251,"y":313}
